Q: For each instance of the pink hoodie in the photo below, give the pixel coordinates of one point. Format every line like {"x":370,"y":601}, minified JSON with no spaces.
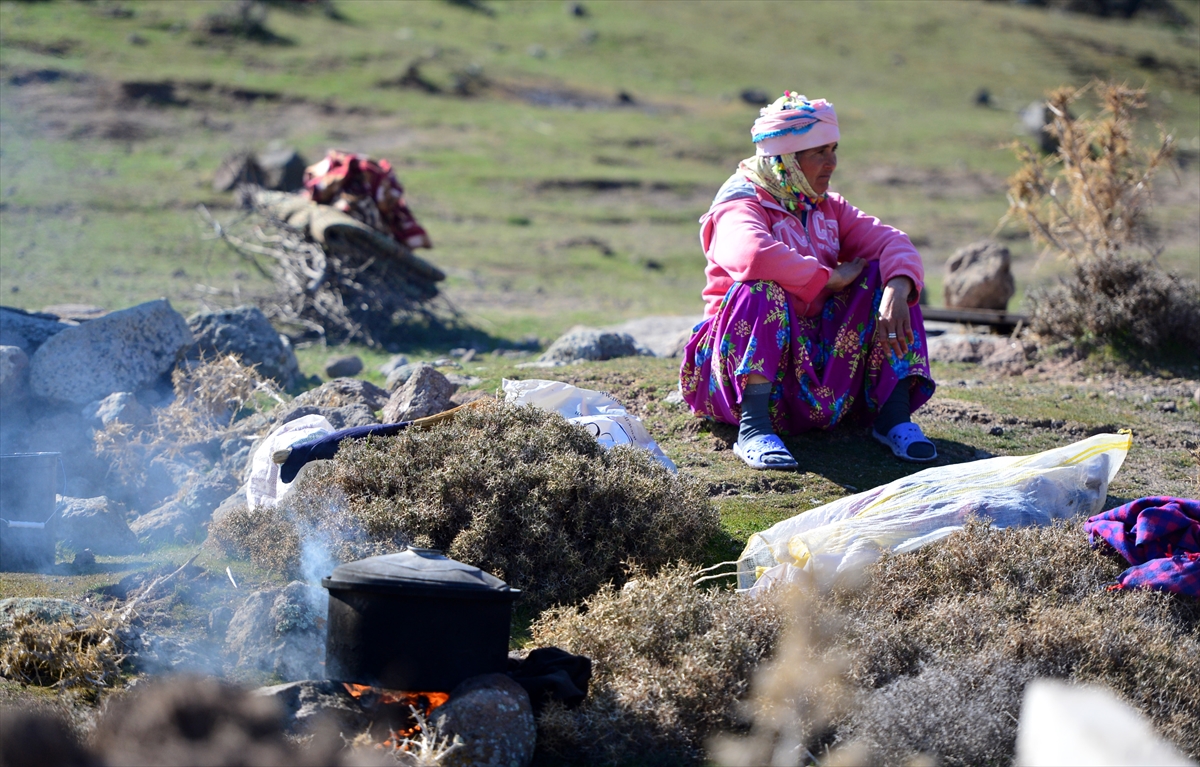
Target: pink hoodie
{"x":747,"y":235}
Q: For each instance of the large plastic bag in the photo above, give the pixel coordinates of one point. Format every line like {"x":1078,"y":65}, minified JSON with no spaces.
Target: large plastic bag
{"x":265,"y":487}
{"x":904,"y":515}
{"x":596,"y":411}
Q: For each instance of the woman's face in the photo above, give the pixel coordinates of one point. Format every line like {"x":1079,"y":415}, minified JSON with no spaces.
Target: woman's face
{"x":818,"y":164}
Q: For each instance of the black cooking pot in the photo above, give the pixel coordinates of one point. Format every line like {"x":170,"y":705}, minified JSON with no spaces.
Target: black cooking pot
{"x":416,"y":621}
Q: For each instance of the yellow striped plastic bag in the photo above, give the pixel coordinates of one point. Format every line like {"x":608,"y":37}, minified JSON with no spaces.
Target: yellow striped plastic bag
{"x":903,"y":515}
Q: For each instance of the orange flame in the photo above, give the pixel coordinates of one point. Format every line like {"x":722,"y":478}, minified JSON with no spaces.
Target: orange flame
{"x":425,"y":702}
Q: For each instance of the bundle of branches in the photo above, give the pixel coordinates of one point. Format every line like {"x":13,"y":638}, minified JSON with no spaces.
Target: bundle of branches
{"x":334,"y":275}
{"x":83,"y":657}
{"x":1089,"y":203}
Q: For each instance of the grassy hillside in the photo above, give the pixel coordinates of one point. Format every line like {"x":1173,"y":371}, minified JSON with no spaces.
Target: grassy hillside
{"x":98,"y":190}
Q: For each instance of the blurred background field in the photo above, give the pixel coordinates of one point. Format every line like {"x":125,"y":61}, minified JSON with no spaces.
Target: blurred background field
{"x":559,"y":154}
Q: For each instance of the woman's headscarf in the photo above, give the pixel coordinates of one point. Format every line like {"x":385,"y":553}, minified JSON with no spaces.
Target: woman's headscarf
{"x":791,"y":124}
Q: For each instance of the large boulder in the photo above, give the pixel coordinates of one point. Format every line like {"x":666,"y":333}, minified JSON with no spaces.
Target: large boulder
{"x":280,"y":631}
{"x":341,"y":392}
{"x":492,"y":715}
{"x":589,"y":344}
{"x":95,"y":523}
{"x":282,"y":169}
{"x":246,"y":333}
{"x":121,"y":406}
{"x":123,"y":351}
{"x":27,"y":330}
{"x":978,"y":276}
{"x":14,"y":375}
{"x":344,"y":417}
{"x":664,"y":336}
{"x":169,"y":524}
{"x":345,"y":366}
{"x":426,"y":392}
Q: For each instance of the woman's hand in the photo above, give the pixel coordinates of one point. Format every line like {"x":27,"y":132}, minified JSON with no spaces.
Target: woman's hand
{"x":895,"y":323}
{"x":845,"y":274}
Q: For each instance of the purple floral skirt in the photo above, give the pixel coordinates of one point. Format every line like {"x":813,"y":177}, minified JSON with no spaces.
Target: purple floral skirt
{"x":824,"y":368}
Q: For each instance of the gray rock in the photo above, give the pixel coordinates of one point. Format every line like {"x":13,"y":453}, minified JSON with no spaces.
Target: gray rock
{"x":27,"y":330}
{"x":168,"y":524}
{"x":246,"y":333}
{"x":280,"y":631}
{"x":97,"y":523}
{"x":14,"y":375}
{"x":119,"y":406}
{"x":341,"y":392}
{"x":493,"y":716}
{"x":399,"y":375}
{"x":282,"y":169}
{"x":978,"y":276}
{"x":308,"y":702}
{"x":425,"y":393}
{"x":236,"y":169}
{"x":339,"y":417}
{"x":203,"y":493}
{"x":235,"y":501}
{"x":123,"y":351}
{"x":581,"y":343}
{"x":958,"y":347}
{"x":1035,"y":118}
{"x":40,"y":609}
{"x":346,"y":366}
{"x":396,"y":361}
{"x":664,"y":336}
{"x":1010,"y":358}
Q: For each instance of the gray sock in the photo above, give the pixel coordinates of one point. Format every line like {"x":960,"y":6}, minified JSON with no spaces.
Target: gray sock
{"x":756,"y":418}
{"x":895,"y":410}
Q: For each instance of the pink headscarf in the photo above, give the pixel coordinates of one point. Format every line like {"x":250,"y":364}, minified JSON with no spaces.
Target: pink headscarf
{"x":793,"y":123}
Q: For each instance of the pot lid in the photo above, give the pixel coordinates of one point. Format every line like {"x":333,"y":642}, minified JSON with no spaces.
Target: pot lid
{"x":416,"y":568}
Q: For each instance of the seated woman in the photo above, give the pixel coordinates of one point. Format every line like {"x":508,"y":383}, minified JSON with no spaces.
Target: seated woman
{"x":812,"y":311}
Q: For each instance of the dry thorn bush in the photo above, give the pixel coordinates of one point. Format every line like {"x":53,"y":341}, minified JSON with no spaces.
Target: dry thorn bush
{"x":670,"y":663}
{"x":209,"y":398}
{"x":82,"y":658}
{"x":516,"y":491}
{"x":1088,"y":202}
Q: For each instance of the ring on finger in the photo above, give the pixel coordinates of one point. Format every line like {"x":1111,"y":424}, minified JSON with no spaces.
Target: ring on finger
{"x":891,"y":335}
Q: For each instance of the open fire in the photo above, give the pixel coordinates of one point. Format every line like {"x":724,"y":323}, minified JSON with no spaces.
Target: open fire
{"x":393,"y":710}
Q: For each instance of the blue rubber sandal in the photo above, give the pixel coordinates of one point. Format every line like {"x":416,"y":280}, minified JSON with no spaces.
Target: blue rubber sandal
{"x":765,"y":451}
{"x":902,"y":437}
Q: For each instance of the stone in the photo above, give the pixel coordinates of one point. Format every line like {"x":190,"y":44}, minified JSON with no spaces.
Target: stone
{"x":425,"y":393}
{"x":394,"y":362}
{"x":97,"y":523}
{"x":399,"y":375}
{"x":1008,"y":358}
{"x":344,"y":391}
{"x":247,"y":333}
{"x":121,"y":406}
{"x":282,"y":169}
{"x":959,"y":347}
{"x":122,"y":351}
{"x":14,"y":375}
{"x":203,"y":492}
{"x":41,"y":609}
{"x":978,"y":276}
{"x":308,"y":702}
{"x":346,"y":366}
{"x":280,"y":631}
{"x":237,"y":169}
{"x":27,"y":330}
{"x":76,"y":312}
{"x":664,"y":336}
{"x":168,"y":524}
{"x":581,"y":343}
{"x":493,"y":716}
{"x":1065,"y":723}
{"x":235,"y":501}
{"x":338,"y":417}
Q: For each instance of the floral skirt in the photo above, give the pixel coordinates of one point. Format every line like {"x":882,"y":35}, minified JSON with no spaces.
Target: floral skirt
{"x":824,"y":368}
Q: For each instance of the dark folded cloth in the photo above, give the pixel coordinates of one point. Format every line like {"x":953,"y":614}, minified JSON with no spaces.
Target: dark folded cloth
{"x":324,"y":448}
{"x":550,"y":674}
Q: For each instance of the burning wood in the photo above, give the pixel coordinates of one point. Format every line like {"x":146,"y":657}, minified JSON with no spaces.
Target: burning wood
{"x":411,"y":709}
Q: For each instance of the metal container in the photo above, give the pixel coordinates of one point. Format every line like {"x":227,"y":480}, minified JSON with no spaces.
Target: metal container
{"x":28,"y":484}
{"x":415,"y":621}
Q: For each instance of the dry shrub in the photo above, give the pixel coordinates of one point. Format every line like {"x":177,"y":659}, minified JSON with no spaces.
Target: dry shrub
{"x":942,"y":641}
{"x":670,"y":663}
{"x":209,"y":397}
{"x":516,"y":491}
{"x":1089,"y":203}
{"x":82,"y":658}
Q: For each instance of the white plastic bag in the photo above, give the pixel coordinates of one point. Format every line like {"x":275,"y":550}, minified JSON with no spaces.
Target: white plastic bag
{"x":904,"y":515}
{"x":596,"y":411}
{"x":264,"y":487}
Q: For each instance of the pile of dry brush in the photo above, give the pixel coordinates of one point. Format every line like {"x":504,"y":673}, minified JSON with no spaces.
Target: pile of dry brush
{"x":333,"y":275}
{"x":1089,"y":203}
{"x":517,"y":491}
{"x":929,"y":655}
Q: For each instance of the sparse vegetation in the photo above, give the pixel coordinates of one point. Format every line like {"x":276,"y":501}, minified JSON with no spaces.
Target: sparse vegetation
{"x":82,"y":658}
{"x":1089,"y":202}
{"x":518,"y":492}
